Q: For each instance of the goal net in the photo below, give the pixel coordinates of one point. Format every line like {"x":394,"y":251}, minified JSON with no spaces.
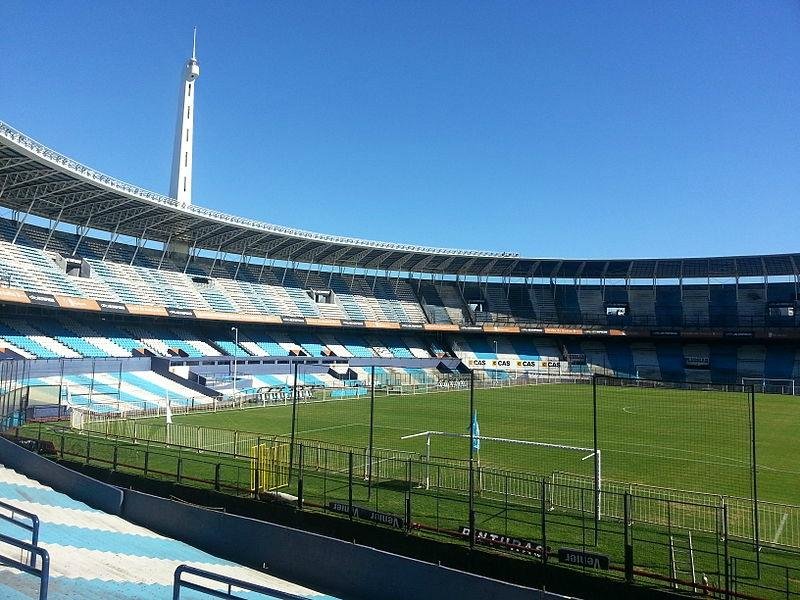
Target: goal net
{"x":504,"y":479}
{"x":767,"y":385}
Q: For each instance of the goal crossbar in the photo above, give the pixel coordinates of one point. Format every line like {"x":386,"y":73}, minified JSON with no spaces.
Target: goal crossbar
{"x":499,"y":439}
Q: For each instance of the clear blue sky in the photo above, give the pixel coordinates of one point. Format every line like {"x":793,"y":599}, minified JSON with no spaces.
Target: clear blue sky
{"x":585,"y":129}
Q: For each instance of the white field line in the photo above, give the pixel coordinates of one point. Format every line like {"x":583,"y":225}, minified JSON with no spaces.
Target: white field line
{"x":781,"y":525}
{"x":331,"y":428}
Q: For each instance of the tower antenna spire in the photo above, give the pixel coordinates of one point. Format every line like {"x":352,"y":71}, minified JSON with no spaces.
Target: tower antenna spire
{"x":181,"y":179}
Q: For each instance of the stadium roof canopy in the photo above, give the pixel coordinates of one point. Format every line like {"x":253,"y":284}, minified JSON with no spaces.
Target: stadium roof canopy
{"x":37,"y":180}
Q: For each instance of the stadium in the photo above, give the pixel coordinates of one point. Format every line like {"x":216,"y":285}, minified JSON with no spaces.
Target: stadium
{"x":621,"y":426}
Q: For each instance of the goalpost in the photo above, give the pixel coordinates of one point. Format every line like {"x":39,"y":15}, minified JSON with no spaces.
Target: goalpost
{"x":771,"y":385}
{"x":269,"y":469}
{"x":584,"y":453}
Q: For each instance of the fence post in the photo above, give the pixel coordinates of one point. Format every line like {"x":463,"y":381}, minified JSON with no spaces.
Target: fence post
{"x":472,"y":534}
{"x":371,"y":429}
{"x":596,"y":461}
{"x":216,"y":476}
{"x":88,"y":445}
{"x":628,"y":539}
{"x":146,"y":460}
{"x":725,"y":550}
{"x":300,"y":480}
{"x":350,"y":485}
{"x":294,"y":422}
{"x":543,"y":495}
{"x":114,"y":463}
{"x":756,"y":531}
{"x":408,"y":496}
{"x":256,"y":466}
{"x":179,"y":469}
{"x":62,"y":446}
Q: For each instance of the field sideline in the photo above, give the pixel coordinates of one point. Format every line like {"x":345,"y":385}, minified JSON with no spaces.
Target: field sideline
{"x":685,"y":440}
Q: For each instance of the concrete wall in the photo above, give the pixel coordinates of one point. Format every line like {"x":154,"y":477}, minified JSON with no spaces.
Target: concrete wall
{"x":330,"y":565}
{"x":76,"y":485}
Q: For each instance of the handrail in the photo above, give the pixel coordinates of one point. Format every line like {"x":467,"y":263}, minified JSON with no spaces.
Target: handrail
{"x":179,"y":583}
{"x":33,"y":527}
{"x":43,"y":573}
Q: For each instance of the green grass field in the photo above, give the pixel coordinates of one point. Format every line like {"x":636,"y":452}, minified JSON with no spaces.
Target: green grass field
{"x":683,"y":440}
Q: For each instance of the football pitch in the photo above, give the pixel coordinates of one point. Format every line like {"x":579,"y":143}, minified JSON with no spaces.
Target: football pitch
{"x":669,"y":439}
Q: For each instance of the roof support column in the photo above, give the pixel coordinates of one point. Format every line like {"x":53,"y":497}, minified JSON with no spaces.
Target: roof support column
{"x":82,"y":235}
{"x":263,"y":264}
{"x":111,"y":241}
{"x":53,"y":227}
{"x":189,"y":257}
{"x":21,"y":223}
{"x":139,"y":243}
{"x":214,"y":262}
{"x":164,"y":253}
{"x":239,"y":264}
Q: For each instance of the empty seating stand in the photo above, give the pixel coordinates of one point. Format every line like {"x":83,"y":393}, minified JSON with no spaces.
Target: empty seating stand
{"x":32,"y":258}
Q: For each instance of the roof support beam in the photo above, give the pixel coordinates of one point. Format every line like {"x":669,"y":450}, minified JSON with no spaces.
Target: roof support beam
{"x":84,"y":231}
{"x":111,"y":241}
{"x":140,"y":241}
{"x":263,"y":264}
{"x":21,"y":223}
{"x":52,"y":229}
{"x":164,"y":253}
{"x":13,"y":161}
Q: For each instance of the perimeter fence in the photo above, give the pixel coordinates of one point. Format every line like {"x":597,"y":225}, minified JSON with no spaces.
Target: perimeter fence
{"x":655,"y":480}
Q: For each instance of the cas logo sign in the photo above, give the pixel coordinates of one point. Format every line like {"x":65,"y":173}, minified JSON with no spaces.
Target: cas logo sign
{"x":501,"y":363}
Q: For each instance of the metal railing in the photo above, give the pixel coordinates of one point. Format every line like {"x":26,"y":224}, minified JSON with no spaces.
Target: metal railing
{"x":42,"y":572}
{"x":656,"y":321}
{"x":180,"y":583}
{"x":32,"y":527}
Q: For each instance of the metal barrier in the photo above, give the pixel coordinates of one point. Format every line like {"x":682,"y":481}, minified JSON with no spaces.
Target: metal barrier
{"x":43,"y":572}
{"x":179,"y":583}
{"x":33,"y":527}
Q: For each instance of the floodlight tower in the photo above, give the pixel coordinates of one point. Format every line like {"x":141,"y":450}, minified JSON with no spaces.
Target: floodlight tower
{"x":181,"y":184}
